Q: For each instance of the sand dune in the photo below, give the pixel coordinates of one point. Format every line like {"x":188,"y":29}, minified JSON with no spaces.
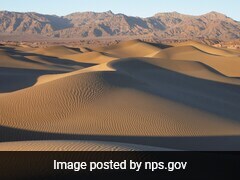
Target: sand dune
{"x":181,"y":97}
{"x":209,"y":49}
{"x":91,"y":57}
{"x":192,"y":68}
{"x":134,"y":48}
{"x":228,"y":66}
{"x":21,"y":69}
{"x":74,"y":146}
{"x":57,"y":51}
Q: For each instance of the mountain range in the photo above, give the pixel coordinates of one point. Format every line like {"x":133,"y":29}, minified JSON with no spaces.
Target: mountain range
{"x":171,"y":25}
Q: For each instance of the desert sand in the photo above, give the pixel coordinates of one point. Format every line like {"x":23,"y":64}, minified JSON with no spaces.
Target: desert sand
{"x":130,"y":96}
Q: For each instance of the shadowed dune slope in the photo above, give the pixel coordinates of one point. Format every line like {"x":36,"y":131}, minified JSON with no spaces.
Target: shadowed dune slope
{"x":182,"y":94}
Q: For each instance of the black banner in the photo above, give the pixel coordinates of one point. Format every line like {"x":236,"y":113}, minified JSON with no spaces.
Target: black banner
{"x":75,"y":165}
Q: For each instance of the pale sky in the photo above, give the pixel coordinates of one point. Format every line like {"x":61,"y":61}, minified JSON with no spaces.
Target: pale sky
{"x":141,"y":8}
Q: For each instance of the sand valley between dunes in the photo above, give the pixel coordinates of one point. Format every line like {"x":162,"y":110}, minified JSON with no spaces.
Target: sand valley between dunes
{"x":130,"y":96}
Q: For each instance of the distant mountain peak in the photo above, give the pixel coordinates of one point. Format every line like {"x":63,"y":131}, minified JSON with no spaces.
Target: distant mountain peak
{"x":215,"y":14}
{"x":109,"y":12}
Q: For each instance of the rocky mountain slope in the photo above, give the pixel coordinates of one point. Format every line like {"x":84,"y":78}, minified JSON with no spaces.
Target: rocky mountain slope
{"x":173,"y":25}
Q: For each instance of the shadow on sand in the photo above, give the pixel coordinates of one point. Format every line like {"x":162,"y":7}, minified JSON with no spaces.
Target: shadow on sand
{"x":214,"y":97}
{"x":179,"y":143}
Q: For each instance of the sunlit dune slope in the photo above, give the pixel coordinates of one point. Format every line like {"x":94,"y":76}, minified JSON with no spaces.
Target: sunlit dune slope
{"x":57,"y":51}
{"x":134,"y":48}
{"x":208,"y":49}
{"x":74,"y":146}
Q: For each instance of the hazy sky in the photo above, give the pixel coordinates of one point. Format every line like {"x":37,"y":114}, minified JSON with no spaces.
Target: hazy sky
{"x":142,"y":8}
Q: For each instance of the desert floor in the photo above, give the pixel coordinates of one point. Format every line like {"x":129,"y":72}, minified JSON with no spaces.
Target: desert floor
{"x":130,"y":96}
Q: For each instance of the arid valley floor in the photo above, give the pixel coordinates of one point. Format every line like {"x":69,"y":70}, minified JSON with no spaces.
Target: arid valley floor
{"x":129,"y":96}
